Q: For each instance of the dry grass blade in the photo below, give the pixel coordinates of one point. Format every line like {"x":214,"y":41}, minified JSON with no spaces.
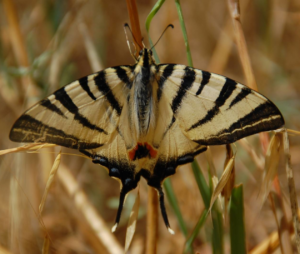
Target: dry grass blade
{"x":258,"y":160}
{"x":30,"y":147}
{"x":50,"y":181}
{"x":271,"y":165}
{"x":101,"y":235}
{"x":293,"y":131}
{"x":283,"y":227}
{"x":4,"y":251}
{"x":19,"y":47}
{"x":229,"y":185}
{"x":90,"y":48}
{"x":234,"y":10}
{"x":223,"y":181}
{"x":209,"y":159}
{"x":46,"y":245}
{"x":17,"y":39}
{"x":292,"y":189}
{"x":132,"y":221}
{"x":152,"y":221}
{"x":222,"y":50}
{"x":270,"y":244}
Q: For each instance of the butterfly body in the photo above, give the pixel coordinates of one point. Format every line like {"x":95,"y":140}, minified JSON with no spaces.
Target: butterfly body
{"x":146,"y":119}
{"x":143,"y":98}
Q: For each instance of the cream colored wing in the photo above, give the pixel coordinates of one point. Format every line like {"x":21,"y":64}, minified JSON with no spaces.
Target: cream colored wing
{"x":81,"y":115}
{"x":173,"y":146}
{"x":214,"y":110}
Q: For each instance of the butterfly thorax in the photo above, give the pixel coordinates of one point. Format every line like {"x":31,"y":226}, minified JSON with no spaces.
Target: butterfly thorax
{"x":143,"y":113}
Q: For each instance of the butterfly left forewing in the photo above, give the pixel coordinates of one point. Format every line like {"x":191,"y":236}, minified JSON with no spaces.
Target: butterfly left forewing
{"x":81,"y":115}
{"x":214,"y":110}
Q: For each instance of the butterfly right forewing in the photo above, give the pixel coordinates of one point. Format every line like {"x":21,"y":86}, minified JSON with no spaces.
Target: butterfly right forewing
{"x":215,"y":110}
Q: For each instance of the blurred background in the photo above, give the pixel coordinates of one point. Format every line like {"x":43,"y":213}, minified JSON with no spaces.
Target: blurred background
{"x":56,"y":45}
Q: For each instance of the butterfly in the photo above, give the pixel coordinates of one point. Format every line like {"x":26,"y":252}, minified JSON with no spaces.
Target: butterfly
{"x":146,"y":119}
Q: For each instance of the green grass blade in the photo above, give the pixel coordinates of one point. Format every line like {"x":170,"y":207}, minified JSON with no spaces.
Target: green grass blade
{"x":185,"y":37}
{"x":237,"y":225}
{"x":190,"y":240}
{"x":173,"y":202}
{"x":152,"y":13}
{"x":218,"y":230}
{"x":217,"y":220}
{"x":202,"y":185}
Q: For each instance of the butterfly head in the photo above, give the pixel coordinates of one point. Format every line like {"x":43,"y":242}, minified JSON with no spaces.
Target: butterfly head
{"x":145,"y":58}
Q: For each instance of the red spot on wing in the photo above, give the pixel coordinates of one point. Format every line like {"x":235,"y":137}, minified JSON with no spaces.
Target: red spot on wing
{"x":151,"y":151}
{"x":132,"y":152}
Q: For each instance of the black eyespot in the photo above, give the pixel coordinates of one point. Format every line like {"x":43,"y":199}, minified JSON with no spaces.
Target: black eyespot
{"x":141,"y":52}
{"x":151,"y":52}
{"x":127,"y":182}
{"x":100,"y":160}
{"x":114,"y":172}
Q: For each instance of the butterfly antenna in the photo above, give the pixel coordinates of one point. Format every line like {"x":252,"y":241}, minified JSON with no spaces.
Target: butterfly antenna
{"x":162,"y":35}
{"x":134,"y":46}
{"x":127,"y":26}
{"x":163,"y":210}
{"x":128,"y":43}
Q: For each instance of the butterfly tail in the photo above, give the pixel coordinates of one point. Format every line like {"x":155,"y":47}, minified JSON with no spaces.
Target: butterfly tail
{"x":163,"y":209}
{"x":127,"y":185}
{"x":121,"y":204}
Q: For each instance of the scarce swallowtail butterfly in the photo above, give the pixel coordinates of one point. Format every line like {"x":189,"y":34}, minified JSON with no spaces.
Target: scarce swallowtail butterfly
{"x":144,"y":120}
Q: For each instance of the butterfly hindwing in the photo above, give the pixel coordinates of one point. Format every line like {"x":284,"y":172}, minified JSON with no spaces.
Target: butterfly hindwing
{"x":215,"y":110}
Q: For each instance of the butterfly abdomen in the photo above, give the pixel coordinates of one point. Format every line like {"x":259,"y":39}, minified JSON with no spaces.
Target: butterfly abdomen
{"x":143,"y":102}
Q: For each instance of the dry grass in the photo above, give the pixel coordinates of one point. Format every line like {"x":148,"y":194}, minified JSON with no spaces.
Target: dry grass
{"x":64,"y":40}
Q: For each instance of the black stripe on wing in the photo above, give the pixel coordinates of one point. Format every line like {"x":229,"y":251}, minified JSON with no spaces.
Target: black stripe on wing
{"x":104,"y":88}
{"x":122,"y":75}
{"x":84,"y":85}
{"x":167,"y":72}
{"x":242,"y":94}
{"x":28,"y":129}
{"x":225,"y":93}
{"x":187,"y":82}
{"x":265,"y":117}
{"x":205,"y":79}
{"x":62,"y":96}
{"x":47,"y":104}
